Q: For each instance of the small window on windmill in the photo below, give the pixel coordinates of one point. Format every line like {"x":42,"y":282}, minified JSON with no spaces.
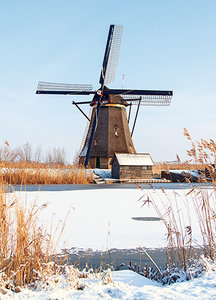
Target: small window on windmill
{"x":95,"y":142}
{"x":116,"y":131}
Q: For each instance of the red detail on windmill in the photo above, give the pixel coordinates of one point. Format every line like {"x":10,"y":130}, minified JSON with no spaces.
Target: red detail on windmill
{"x":99,"y":92}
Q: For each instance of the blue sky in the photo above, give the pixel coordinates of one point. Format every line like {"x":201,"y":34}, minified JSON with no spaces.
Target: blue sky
{"x":169,"y":44}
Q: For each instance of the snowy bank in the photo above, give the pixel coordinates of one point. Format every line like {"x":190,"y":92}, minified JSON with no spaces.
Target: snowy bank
{"x":125,"y":285}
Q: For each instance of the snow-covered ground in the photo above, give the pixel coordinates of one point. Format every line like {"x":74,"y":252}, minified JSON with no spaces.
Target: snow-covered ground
{"x":104,"y":173}
{"x":125,"y":285}
{"x":116,"y":218}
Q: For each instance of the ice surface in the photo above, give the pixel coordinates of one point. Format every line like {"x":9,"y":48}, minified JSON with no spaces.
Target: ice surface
{"x":104,"y":218}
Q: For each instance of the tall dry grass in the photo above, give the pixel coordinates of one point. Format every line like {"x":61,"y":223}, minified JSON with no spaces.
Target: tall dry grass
{"x":28,"y":251}
{"x":18,"y":167}
{"x":201,"y":198}
{"x":25,"y":247}
{"x":38,"y":174}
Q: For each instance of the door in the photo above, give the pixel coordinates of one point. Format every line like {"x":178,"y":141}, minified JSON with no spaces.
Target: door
{"x":98,"y":162}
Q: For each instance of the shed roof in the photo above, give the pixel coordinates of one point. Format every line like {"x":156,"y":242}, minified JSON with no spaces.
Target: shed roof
{"x":126,"y":159}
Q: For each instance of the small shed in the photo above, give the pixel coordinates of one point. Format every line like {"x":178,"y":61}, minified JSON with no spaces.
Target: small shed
{"x":132,"y":166}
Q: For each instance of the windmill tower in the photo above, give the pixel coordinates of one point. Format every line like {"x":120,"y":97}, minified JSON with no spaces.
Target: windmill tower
{"x":111,"y":134}
{"x":108,"y":128}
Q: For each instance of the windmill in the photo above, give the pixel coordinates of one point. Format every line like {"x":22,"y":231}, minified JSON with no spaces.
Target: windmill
{"x":108,"y":129}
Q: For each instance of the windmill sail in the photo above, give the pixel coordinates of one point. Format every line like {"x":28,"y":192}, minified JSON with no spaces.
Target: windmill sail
{"x":63,"y":88}
{"x":137,"y":92}
{"x":148,"y":100}
{"x":111,"y":55}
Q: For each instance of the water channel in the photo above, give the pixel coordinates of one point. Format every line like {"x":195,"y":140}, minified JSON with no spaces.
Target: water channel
{"x":113,"y":257}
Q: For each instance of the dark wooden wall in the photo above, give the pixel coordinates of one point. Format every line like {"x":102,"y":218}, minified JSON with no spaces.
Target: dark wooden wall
{"x":131,"y":172}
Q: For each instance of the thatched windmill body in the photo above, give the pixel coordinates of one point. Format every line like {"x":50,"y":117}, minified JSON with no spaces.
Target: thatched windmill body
{"x":108,"y":129}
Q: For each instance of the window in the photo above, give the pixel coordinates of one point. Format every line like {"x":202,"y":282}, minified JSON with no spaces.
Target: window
{"x":145,"y":167}
{"x":116,"y":131}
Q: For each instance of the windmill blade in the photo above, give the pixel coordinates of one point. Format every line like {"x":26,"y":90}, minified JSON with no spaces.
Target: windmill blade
{"x":148,"y":100}
{"x":107,"y":74}
{"x":111,"y":55}
{"x":137,"y":92}
{"x":63,"y":88}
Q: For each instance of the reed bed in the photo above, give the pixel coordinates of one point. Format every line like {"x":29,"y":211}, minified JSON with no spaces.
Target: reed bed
{"x":26,"y":173}
{"x":28,"y":255}
{"x":25,"y":247}
{"x":201,"y":198}
{"x":27,"y":250}
{"x":24,"y":166}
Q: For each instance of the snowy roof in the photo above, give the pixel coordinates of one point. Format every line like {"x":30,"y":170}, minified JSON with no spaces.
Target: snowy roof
{"x":126,"y":159}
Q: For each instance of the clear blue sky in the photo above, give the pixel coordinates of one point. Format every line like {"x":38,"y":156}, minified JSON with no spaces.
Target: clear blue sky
{"x":167,"y":44}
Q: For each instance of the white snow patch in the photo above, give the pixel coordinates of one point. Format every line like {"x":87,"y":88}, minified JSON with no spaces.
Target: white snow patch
{"x":104,"y":173}
{"x":126,"y":285}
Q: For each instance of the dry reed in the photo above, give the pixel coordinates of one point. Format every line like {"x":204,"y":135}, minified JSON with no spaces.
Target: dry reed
{"x":18,"y":167}
{"x":25,"y":173}
{"x":25,"y":247}
{"x":180,"y":242}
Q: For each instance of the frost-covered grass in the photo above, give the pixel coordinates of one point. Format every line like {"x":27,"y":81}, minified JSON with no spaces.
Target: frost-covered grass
{"x":119,"y":285}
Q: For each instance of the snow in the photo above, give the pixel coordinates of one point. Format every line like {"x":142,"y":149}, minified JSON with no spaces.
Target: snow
{"x":104,"y":173}
{"x":132,"y":278}
{"x":194,"y":173}
{"x":125,"y":285}
{"x":99,"y":219}
{"x":103,"y":219}
{"x":126,"y":159}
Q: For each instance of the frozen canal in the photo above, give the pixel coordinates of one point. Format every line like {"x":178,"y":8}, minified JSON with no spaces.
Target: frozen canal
{"x":109,"y":222}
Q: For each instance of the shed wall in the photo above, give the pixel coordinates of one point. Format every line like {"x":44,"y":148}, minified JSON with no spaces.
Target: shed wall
{"x":134,"y":172}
